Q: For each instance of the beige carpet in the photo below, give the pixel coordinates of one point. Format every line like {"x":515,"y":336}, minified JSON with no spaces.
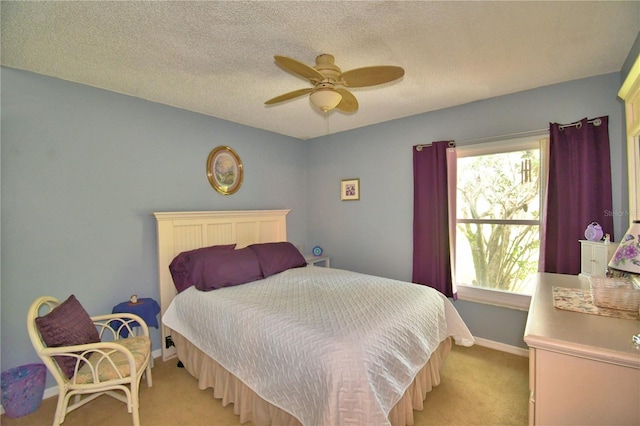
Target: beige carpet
{"x":479,"y":386}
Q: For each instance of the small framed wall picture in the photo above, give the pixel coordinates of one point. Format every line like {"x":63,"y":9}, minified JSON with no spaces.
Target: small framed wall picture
{"x":224,"y":170}
{"x":349,"y":189}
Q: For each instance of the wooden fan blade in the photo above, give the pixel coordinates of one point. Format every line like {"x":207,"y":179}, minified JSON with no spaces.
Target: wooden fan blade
{"x":371,"y":76}
{"x":298,"y":68}
{"x":349,"y":103}
{"x":287,"y":96}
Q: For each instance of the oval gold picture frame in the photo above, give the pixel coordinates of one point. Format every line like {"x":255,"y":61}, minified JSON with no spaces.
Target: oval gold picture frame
{"x":224,"y":170}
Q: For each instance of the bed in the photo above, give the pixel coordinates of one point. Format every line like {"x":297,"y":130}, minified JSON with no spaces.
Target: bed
{"x":304,"y":345}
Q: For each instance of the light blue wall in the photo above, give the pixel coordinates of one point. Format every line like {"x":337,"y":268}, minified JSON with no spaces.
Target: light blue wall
{"x":631,"y":59}
{"x":83,"y":170}
{"x":374,"y":235}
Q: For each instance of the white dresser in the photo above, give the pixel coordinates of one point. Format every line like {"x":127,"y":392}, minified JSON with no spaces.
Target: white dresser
{"x":583,"y":369}
{"x":595,"y":256}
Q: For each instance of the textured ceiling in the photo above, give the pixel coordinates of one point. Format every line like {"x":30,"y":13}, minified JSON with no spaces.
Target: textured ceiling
{"x":216,"y":57}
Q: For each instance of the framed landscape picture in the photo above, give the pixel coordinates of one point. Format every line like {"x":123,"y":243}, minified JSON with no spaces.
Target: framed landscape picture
{"x":224,"y":170}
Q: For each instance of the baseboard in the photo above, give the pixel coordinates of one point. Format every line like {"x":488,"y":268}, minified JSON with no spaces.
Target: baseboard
{"x":501,"y":347}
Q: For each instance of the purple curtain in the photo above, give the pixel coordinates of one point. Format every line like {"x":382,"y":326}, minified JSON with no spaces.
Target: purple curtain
{"x":432,"y":242}
{"x":578,"y":191}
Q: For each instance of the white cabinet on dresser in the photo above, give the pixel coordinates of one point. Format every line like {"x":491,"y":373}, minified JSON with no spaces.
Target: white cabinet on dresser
{"x":583,"y":368}
{"x":595,"y":256}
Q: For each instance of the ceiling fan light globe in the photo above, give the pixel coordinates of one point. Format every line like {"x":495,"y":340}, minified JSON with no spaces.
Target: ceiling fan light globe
{"x":325,"y":99}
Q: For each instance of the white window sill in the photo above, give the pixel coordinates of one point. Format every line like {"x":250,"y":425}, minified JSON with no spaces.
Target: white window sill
{"x":494,"y":297}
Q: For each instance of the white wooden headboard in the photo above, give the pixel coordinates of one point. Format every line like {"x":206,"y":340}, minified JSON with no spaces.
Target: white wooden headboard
{"x":183,"y":231}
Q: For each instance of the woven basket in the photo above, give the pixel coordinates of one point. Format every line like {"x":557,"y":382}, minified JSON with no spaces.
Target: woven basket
{"x":615,"y":293}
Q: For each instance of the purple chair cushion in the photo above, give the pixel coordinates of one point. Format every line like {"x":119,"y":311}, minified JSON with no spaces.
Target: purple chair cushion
{"x":66,"y":325}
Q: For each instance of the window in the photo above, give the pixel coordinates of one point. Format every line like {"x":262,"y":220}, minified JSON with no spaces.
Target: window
{"x":498,"y":215}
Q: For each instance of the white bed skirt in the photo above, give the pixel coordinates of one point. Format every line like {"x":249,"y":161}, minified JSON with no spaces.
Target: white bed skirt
{"x":250,"y":407}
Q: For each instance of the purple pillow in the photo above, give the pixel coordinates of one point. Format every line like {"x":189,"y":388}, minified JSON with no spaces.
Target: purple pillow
{"x":182,"y":265}
{"x":66,"y":325}
{"x":277,"y":257}
{"x":225,"y":269}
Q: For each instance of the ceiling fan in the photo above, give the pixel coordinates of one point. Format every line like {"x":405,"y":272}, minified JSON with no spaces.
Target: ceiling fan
{"x":329,"y":82}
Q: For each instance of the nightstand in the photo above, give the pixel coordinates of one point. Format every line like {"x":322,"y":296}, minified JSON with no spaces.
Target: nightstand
{"x":146,"y":308}
{"x":315,"y":260}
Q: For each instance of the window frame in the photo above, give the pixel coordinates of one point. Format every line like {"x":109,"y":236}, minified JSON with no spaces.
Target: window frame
{"x":535,"y":141}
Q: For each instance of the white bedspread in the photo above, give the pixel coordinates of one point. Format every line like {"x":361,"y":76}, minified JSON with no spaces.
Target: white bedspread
{"x":331,"y":347}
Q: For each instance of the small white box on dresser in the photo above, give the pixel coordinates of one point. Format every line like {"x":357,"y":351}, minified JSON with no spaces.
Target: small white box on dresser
{"x":595,"y":256}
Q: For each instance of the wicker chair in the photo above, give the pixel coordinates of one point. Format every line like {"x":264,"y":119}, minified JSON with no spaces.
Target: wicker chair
{"x":109,"y":366}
